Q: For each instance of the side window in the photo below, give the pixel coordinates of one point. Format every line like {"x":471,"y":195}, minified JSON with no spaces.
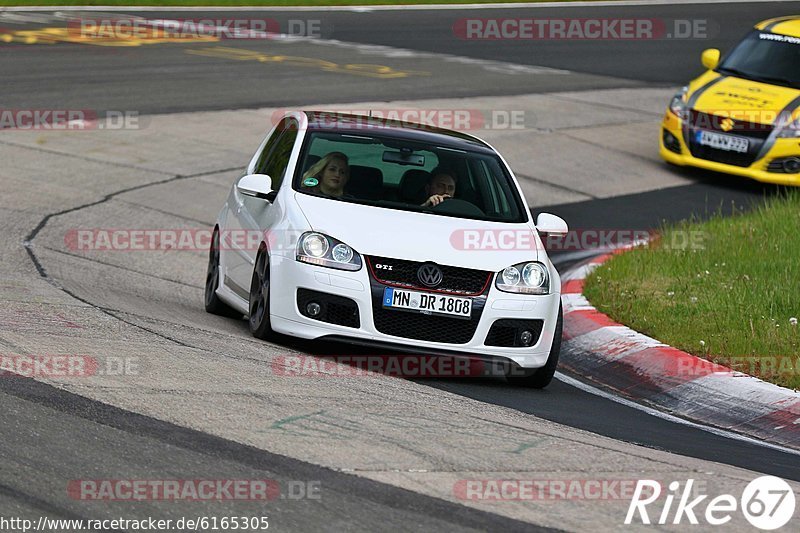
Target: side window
{"x":278,"y":160}
{"x":493,"y":192}
{"x":261,"y":165}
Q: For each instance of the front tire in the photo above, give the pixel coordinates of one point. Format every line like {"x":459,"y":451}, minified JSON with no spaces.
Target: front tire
{"x":213,"y":304}
{"x":259,"y":320}
{"x":540,"y":377}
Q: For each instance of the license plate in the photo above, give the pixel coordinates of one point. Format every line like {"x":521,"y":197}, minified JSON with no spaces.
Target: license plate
{"x":729,"y":143}
{"x":427,"y":303}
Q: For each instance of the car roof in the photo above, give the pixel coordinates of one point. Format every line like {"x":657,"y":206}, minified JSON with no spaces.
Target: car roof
{"x":789,"y":25}
{"x":334,"y":122}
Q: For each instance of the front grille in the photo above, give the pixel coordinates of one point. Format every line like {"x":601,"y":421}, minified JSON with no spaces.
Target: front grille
{"x":421,"y":327}
{"x":670,"y":142}
{"x":418,"y":326}
{"x":742,"y":128}
{"x":334,"y":309}
{"x":721,"y":156}
{"x":506,"y":332}
{"x":755,"y":133}
{"x":403,"y":273}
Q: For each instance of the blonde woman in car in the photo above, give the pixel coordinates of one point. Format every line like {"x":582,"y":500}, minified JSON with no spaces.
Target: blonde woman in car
{"x":328,"y":176}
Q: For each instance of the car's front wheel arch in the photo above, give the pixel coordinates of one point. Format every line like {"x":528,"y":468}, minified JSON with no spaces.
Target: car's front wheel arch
{"x":259,"y":298}
{"x":541,"y":377}
{"x":213,"y":303}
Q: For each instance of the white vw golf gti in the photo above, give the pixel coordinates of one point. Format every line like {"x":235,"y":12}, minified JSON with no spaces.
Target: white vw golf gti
{"x":388,"y":234}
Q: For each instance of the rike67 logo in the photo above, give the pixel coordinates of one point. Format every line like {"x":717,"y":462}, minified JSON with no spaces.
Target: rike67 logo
{"x":767,"y":502}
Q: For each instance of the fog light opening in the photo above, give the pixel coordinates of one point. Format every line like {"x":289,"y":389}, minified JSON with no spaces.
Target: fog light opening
{"x":313,"y":309}
{"x":526,"y":338}
{"x":671,"y":142}
{"x":791,"y":165}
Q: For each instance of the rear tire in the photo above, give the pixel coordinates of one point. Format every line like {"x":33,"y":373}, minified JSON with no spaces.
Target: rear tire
{"x":213,"y":304}
{"x":259,"y":319}
{"x":540,"y":377}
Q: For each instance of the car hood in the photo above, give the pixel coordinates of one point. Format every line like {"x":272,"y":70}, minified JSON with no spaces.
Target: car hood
{"x":422,"y":237}
{"x":743,"y":99}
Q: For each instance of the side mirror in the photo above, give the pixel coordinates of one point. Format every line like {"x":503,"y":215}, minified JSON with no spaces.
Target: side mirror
{"x":257,"y":185}
{"x":551,"y":224}
{"x":710,"y":58}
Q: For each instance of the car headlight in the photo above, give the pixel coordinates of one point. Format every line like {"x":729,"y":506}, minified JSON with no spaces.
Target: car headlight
{"x":678,"y":104}
{"x":527,"y":278}
{"x":314,"y":245}
{"x":790,"y":130}
{"x":342,"y":253}
{"x":318,"y":249}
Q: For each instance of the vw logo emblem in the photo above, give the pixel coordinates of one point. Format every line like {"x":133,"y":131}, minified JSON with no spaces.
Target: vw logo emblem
{"x":430,"y":275}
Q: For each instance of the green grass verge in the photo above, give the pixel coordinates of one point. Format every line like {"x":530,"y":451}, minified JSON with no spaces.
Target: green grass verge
{"x":234,"y":3}
{"x":729,"y":298}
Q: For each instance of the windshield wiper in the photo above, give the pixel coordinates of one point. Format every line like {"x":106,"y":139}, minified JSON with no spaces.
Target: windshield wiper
{"x":756,"y":77}
{"x":735,"y":72}
{"x":780,"y":81}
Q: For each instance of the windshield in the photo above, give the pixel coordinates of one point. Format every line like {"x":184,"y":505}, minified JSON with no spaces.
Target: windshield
{"x":767,"y":57}
{"x":408,"y":175}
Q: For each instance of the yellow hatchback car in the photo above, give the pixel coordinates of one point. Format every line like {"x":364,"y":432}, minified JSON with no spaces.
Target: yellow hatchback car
{"x":742,"y":116}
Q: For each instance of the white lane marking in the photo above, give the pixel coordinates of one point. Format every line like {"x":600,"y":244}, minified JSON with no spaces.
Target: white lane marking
{"x":670,"y":418}
{"x":612,"y":343}
{"x":756,"y":397}
{"x":575,"y":302}
{"x":582,"y":272}
{"x":568,"y":257}
{"x":415,"y":7}
{"x":11,"y":17}
{"x":490,"y":65}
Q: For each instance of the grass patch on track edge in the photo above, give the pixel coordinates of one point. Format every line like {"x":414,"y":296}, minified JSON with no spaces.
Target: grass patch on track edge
{"x":726,"y":289}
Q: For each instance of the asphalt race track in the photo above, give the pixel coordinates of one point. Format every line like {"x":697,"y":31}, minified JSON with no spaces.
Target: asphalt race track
{"x":206,"y":400}
{"x":127,"y":78}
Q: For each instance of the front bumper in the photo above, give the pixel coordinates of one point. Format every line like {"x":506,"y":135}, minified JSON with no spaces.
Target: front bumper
{"x":782,"y":148}
{"x":289,"y":275}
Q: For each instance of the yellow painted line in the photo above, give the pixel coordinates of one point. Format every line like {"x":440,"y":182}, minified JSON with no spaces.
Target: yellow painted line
{"x":357,"y":69}
{"x":70,"y":35}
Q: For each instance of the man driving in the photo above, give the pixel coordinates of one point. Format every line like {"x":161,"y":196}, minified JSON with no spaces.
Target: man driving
{"x":440,"y":187}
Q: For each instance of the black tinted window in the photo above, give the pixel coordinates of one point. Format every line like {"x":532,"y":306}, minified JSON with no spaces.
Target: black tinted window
{"x":275,"y":160}
{"x":404,"y":174}
{"x":767,"y":57}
